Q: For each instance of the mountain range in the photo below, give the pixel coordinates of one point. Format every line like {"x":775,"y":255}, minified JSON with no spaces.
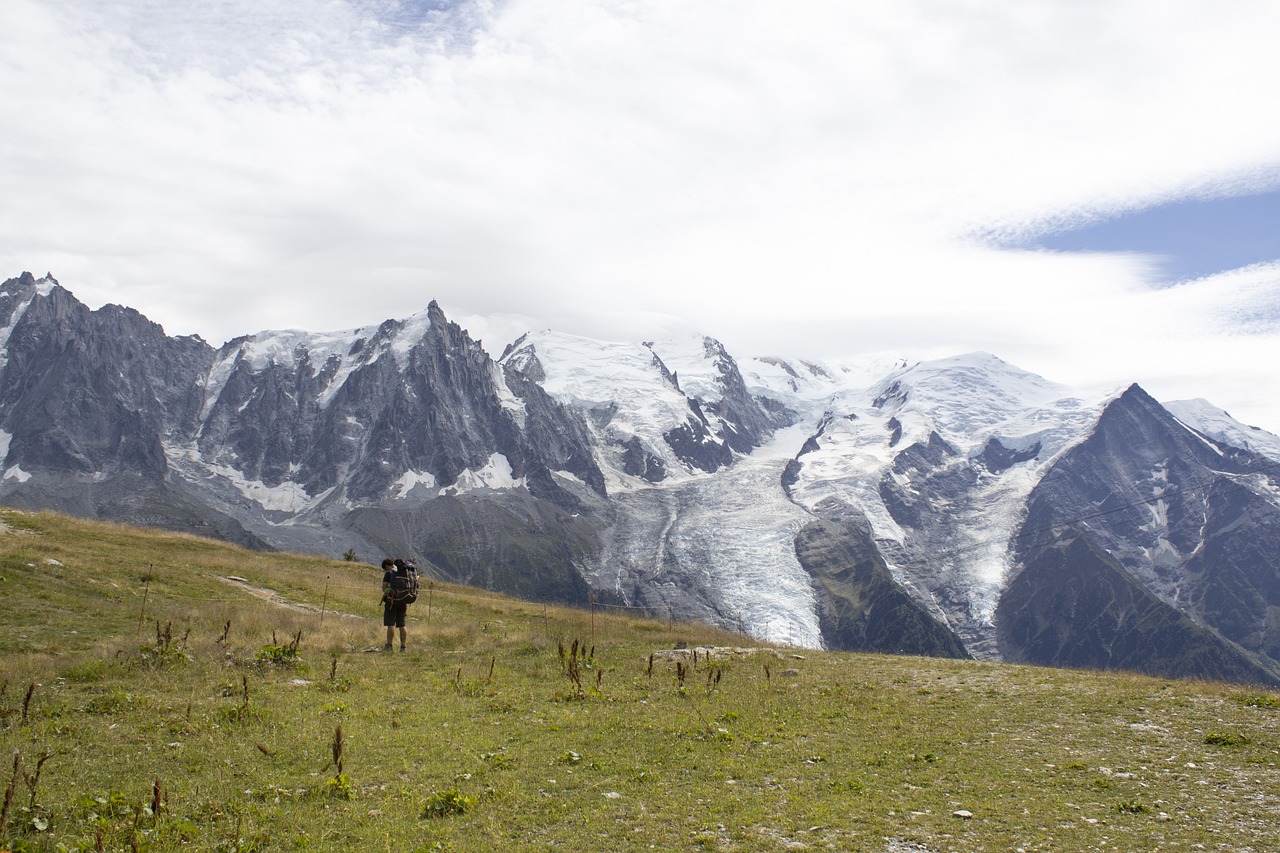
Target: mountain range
{"x":958,"y":507}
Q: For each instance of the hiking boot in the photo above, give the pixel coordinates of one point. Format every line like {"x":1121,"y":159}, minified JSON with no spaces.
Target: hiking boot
{"x":402,"y":648}
{"x":387,"y":647}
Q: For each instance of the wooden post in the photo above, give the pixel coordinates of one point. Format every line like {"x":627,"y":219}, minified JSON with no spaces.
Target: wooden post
{"x":324,"y":602}
{"x":146,"y":592}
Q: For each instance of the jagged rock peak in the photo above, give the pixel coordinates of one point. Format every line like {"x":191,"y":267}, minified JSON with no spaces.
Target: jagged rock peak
{"x":914,"y":496}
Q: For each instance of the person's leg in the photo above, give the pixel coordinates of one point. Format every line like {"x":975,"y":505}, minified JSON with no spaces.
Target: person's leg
{"x":394,"y":619}
{"x":403,"y":635}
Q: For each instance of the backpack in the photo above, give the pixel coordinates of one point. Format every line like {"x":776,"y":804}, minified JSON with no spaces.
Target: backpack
{"x":404,"y":584}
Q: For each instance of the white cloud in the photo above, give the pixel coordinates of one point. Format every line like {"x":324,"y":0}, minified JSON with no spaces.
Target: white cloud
{"x":789,"y":177}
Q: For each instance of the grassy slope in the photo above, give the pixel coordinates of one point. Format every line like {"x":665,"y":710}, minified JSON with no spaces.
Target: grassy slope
{"x":811,"y":750}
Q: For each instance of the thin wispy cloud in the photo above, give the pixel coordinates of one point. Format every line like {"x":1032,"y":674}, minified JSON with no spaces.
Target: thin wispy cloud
{"x":819,"y":178}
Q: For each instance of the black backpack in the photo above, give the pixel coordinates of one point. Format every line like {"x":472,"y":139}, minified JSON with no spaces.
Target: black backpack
{"x":404,"y":583}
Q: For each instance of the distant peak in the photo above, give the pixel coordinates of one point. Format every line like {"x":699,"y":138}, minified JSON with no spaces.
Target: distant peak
{"x":44,"y":285}
{"x":1136,"y":392}
{"x":514,"y":345}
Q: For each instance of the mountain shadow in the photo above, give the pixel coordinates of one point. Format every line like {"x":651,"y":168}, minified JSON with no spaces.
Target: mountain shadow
{"x":860,"y":606}
{"x":1073,"y":605}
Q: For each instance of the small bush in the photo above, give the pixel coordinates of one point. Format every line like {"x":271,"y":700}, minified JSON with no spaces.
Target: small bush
{"x":1225,"y":739}
{"x":236,"y":714}
{"x":112,"y":804}
{"x":167,"y":651}
{"x":498,"y":760}
{"x":109,"y":703}
{"x":283,"y":656}
{"x":340,"y":788}
{"x":446,"y":803}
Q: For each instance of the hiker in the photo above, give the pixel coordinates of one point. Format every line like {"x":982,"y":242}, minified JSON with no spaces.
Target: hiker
{"x":394,"y":607}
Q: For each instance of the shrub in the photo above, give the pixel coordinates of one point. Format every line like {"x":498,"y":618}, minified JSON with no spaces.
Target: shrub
{"x":340,"y":788}
{"x":167,"y":651}
{"x":445,"y":803}
{"x":285,"y":655}
{"x":1225,"y":739}
{"x":109,"y":703}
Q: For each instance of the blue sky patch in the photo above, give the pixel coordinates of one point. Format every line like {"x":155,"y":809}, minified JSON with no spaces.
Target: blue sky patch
{"x":1190,"y":238}
{"x":414,"y":14}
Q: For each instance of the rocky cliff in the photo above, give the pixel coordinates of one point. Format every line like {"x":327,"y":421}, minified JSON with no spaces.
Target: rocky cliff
{"x":955,"y":507}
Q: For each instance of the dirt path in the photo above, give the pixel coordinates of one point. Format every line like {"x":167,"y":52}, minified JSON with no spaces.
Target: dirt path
{"x":274,"y":597}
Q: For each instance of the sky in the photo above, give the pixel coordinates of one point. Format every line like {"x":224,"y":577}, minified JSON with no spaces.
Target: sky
{"x":1089,"y":189}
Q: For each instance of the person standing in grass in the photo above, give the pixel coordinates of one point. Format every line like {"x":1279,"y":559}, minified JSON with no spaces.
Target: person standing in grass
{"x":393,"y":611}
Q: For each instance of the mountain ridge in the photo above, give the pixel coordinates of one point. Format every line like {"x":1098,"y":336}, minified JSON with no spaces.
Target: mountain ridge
{"x":799,"y":501}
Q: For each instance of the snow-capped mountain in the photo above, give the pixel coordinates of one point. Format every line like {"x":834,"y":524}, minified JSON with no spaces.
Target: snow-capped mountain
{"x":953,"y":507}
{"x":940,"y":457}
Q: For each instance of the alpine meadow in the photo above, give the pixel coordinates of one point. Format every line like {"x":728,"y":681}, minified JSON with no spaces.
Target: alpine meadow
{"x":162,"y":691}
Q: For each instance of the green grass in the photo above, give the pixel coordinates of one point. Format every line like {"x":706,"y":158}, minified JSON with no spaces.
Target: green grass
{"x":151,"y":730}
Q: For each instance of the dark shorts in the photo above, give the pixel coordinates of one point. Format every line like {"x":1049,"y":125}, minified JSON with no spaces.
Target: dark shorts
{"x":393,"y":614}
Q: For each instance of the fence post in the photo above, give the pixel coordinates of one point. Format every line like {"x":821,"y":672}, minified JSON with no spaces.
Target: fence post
{"x":324,"y":602}
{"x":145,"y":592}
